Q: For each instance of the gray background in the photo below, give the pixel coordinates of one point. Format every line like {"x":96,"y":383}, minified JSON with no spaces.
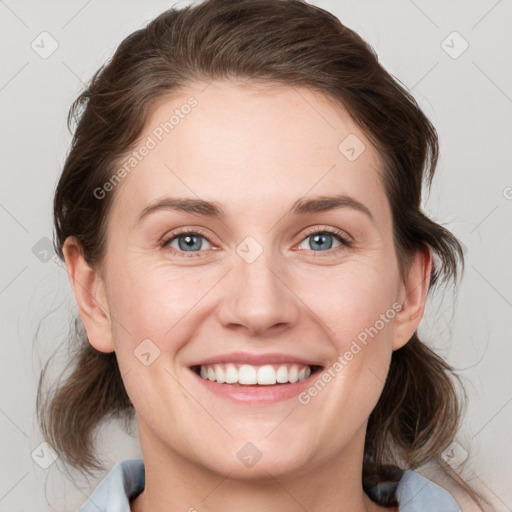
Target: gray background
{"x":468,"y":96}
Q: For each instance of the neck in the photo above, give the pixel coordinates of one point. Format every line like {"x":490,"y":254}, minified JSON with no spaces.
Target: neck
{"x":177,"y":483}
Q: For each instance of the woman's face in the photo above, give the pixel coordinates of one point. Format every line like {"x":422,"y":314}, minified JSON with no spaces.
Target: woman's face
{"x":253,"y":230}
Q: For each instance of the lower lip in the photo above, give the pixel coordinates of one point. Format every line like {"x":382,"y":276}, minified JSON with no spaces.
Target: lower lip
{"x":257,"y":394}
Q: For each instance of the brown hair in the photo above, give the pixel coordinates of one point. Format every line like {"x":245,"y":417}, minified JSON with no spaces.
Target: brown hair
{"x":292,"y":43}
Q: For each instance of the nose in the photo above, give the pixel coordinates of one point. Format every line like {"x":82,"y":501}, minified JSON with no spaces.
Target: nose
{"x":258,"y":298}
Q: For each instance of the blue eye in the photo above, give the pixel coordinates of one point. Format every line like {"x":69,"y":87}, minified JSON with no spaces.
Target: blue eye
{"x":188,"y":242}
{"x":323,"y":240}
{"x":191,"y":243}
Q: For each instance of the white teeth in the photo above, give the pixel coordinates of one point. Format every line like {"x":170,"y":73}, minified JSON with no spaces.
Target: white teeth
{"x":219,"y":374}
{"x":266,"y":375}
{"x":231,"y":374}
{"x":246,"y":374}
{"x":282,"y":375}
{"x":293,"y":374}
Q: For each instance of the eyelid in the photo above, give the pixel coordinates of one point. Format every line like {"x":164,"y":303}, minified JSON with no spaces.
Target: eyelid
{"x":343,"y":235}
{"x":344,"y":238}
{"x":168,"y":238}
{"x":188,"y":230}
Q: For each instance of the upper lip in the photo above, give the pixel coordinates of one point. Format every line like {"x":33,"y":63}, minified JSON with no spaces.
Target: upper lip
{"x":255,"y":359}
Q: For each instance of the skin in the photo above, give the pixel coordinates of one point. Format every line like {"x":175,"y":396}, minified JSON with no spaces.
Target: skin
{"x":255,"y":151}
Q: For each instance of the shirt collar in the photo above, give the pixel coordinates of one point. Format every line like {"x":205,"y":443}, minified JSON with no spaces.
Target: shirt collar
{"x":126,"y":480}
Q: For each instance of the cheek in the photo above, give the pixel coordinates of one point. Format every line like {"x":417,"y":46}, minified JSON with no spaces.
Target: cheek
{"x":152,"y":302}
{"x":358,"y":309}
{"x":151,"y":312}
{"x":351,"y":302}
{"x":156,"y":311}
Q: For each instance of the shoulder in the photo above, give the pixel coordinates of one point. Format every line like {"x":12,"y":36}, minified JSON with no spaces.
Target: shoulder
{"x":416,"y":493}
{"x":124,"y":481}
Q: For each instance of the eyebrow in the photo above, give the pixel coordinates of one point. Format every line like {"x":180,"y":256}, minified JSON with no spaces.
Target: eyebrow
{"x":302,"y":206}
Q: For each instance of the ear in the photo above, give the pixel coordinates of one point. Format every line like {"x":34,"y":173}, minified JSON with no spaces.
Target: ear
{"x":412,"y":296}
{"x":89,"y":289}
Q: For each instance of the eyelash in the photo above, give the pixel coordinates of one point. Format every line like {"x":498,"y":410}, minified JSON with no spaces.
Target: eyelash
{"x":338,"y":234}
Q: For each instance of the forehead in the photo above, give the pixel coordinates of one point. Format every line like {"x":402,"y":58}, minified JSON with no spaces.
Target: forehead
{"x":251,"y":147}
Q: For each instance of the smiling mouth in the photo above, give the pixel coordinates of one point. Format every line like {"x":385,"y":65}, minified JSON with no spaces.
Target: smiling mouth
{"x":255,"y":375}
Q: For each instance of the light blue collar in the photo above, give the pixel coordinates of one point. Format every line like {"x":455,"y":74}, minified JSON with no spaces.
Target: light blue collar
{"x":415,"y":493}
{"x":126,"y":479}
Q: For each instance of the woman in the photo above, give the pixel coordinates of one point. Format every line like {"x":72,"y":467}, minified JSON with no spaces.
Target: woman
{"x":240,"y":219}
